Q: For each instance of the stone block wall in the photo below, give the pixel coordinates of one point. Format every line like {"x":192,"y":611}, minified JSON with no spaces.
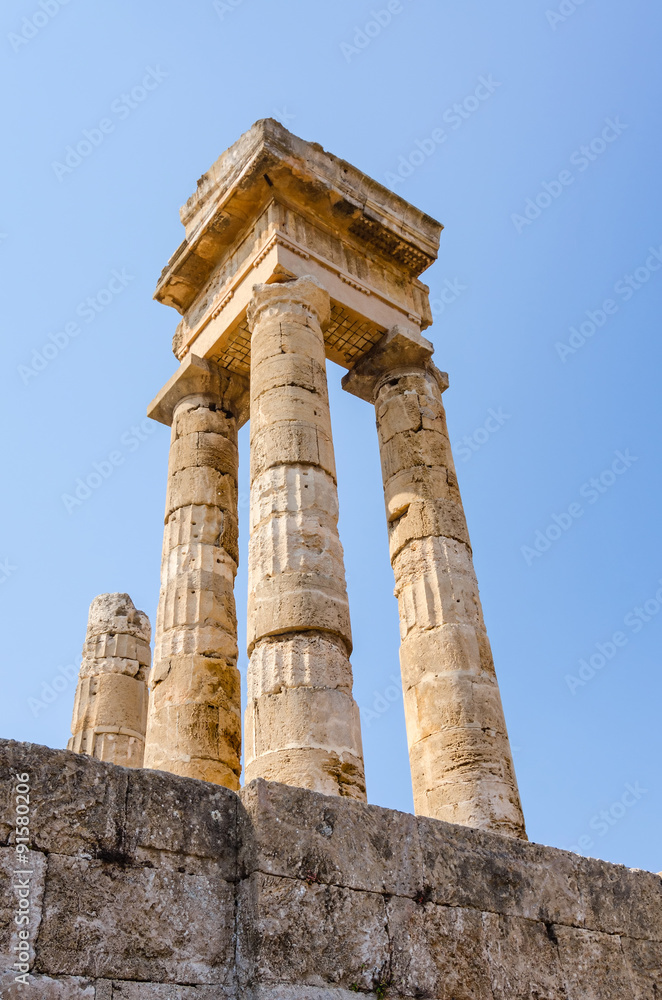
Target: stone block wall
{"x":148,"y":886}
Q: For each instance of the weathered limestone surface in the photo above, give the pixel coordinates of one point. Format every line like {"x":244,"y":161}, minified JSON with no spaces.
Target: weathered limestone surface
{"x":194,"y":723}
{"x":276,"y":206}
{"x":302,"y":724}
{"x":110,"y":707}
{"x":149,"y":886}
{"x":461,"y":763}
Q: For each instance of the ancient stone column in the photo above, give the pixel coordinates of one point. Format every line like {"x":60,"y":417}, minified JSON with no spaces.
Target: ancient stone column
{"x":194,"y":722}
{"x":302,"y":723}
{"x":461,"y":763}
{"x":110,"y":708}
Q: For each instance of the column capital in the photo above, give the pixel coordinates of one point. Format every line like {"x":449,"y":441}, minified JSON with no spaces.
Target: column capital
{"x":305,"y":293}
{"x":196,"y":376}
{"x":399,"y":352}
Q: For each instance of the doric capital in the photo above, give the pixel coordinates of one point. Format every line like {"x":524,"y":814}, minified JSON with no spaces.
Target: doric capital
{"x":400,"y":351}
{"x":306,"y":295}
{"x":199,"y":376}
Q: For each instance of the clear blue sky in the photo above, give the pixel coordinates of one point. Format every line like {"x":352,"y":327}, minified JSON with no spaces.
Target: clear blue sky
{"x":508,"y":291}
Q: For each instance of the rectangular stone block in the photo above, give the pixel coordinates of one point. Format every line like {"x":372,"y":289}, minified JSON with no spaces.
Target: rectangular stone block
{"x":470,"y":868}
{"x":125,"y":990}
{"x":310,"y":934}
{"x":522,"y":959}
{"x":158,"y":925}
{"x":593,"y":965}
{"x":77,"y":803}
{"x":184,"y":825}
{"x":280,"y":991}
{"x":301,"y":834}
{"x":46,"y":988}
{"x":437,"y":951}
{"x":644,"y":960}
{"x":620,"y":900}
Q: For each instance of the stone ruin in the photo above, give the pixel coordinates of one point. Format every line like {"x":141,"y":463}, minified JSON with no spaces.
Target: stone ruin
{"x":162,"y":878}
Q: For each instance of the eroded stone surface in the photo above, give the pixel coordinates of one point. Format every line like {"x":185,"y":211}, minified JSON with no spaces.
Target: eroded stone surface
{"x":163,"y":925}
{"x":302,"y":724}
{"x":194,"y":722}
{"x":110,"y":707}
{"x":461,"y":763}
{"x":281,"y":892}
{"x":310,"y":933}
{"x":47,"y":988}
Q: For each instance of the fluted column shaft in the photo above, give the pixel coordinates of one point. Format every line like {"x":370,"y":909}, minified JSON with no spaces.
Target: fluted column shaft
{"x":110,"y":707}
{"x":461,"y":763}
{"x":302,"y":723}
{"x":194,"y":723}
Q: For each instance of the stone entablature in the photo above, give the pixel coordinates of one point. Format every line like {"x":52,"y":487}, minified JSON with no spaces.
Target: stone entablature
{"x":275,"y":207}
